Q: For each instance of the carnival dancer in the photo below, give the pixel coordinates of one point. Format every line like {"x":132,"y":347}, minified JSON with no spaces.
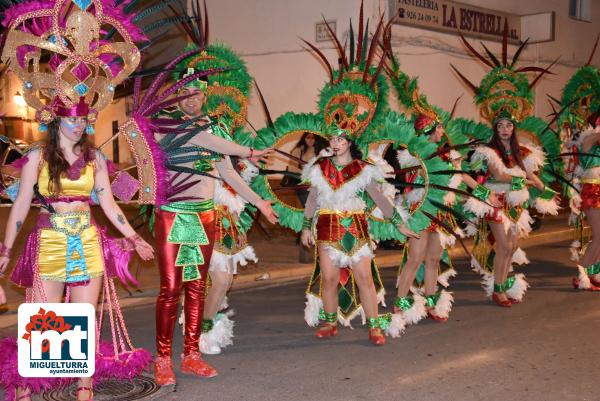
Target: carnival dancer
{"x":181,"y":227}
{"x":230,"y":250}
{"x":510,"y":169}
{"x":580,"y":103}
{"x":335,"y":221}
{"x":425,"y":252}
{"x":589,"y":264}
{"x":67,"y":248}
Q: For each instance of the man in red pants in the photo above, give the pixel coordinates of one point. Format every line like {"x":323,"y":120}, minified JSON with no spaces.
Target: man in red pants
{"x":184,"y":233}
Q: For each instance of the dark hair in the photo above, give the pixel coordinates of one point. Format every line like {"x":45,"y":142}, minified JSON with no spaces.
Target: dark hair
{"x":320,"y":143}
{"x":515,"y":149}
{"x":57,"y":164}
{"x":355,"y":152}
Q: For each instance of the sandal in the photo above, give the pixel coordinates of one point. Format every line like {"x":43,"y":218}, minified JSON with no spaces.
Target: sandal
{"x":90,"y":393}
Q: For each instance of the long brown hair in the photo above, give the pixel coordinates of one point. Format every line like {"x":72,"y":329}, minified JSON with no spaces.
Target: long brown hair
{"x":57,"y":164}
{"x":515,"y":148}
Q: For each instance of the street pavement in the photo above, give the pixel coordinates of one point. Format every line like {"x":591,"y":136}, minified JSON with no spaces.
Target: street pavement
{"x":541,"y":350}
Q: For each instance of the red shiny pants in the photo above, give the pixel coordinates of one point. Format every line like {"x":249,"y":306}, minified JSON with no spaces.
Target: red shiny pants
{"x":172,"y":284}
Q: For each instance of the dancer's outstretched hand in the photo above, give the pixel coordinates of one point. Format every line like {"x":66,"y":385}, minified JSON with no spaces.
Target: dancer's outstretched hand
{"x":262,"y":155}
{"x":307,"y":238}
{"x":267,"y":210}
{"x":408,"y":232}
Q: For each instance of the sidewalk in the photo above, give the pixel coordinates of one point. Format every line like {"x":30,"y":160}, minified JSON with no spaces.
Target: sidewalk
{"x":278,"y":263}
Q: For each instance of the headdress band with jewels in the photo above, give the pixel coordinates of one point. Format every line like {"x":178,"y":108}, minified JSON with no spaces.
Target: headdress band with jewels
{"x":86,"y":60}
{"x":196,"y":83}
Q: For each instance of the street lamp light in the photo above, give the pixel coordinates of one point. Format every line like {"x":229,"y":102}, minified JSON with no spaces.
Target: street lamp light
{"x":19,"y":100}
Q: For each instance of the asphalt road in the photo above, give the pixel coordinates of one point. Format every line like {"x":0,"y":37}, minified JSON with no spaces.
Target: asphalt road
{"x":544,"y":349}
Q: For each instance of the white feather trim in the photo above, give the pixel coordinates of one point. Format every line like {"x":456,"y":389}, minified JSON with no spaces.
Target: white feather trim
{"x":444,"y":304}
{"x":485,"y":153}
{"x":523,"y":225}
{"x":470,"y":230}
{"x":535,"y":160}
{"x":250,"y":172}
{"x":476,"y":267}
{"x":487,"y":283}
{"x":312,"y":309}
{"x":478,"y":208}
{"x":415,"y":196}
{"x":446,"y":241}
{"x":347,"y":321}
{"x":340,"y":259}
{"x":417,"y":311}
{"x":222,"y":196}
{"x":546,"y":206}
{"x":220,"y":336}
{"x":228,"y":263}
{"x":445,"y":277}
{"x":345,"y":198}
{"x":519,"y":257}
{"x":584,"y":282}
{"x":397,"y":326}
{"x":517,"y":198}
{"x":519,"y":288}
{"x":406,"y":159}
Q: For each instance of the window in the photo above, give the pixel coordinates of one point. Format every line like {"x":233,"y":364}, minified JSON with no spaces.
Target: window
{"x":581,"y":10}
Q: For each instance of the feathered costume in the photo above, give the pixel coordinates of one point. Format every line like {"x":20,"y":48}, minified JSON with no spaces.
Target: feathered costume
{"x":86,"y":62}
{"x":505,"y":93}
{"x":580,"y":102}
{"x":425,"y":119}
{"x":226,"y":103}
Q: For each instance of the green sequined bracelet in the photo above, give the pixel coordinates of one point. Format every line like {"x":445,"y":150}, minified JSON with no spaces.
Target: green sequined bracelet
{"x":548,"y":193}
{"x":396,"y":218}
{"x":404,"y":303}
{"x":380,"y":322}
{"x":593,"y":269}
{"x":482,"y":193}
{"x":432,"y":300}
{"x":328,"y":317}
{"x":517,"y":183}
{"x":307,"y":223}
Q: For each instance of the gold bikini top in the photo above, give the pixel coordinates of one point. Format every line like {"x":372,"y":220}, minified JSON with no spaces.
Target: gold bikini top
{"x":82,"y":186}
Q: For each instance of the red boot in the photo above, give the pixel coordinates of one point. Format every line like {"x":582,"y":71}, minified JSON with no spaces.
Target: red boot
{"x":163,"y":371}
{"x":194,"y":364}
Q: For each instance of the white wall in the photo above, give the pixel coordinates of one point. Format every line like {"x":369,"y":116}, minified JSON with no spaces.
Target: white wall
{"x":266,"y":33}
